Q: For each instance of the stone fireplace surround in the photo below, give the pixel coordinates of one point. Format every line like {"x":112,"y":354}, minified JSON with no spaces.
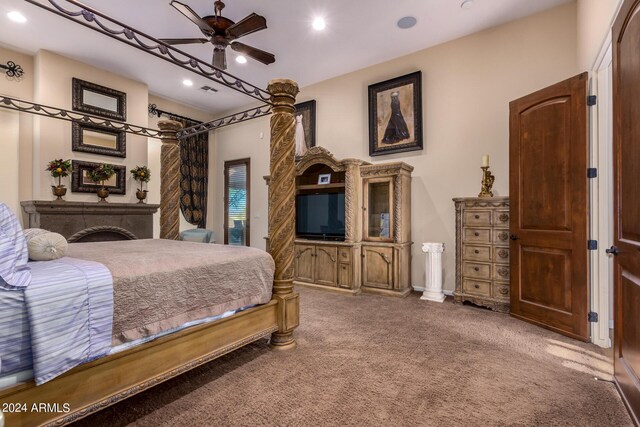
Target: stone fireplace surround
{"x":91,"y":222}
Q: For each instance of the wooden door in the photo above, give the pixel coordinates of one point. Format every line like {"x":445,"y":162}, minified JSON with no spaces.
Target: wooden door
{"x":626,"y":209}
{"x":377,"y":267}
{"x":548,"y":150}
{"x":304,"y":262}
{"x":326,"y":265}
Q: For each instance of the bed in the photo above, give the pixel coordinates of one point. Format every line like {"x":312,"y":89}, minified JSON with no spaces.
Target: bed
{"x":106,"y":380}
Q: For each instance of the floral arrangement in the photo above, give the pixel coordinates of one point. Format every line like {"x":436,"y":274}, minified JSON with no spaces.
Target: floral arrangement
{"x":59,"y":168}
{"x":141,"y":174}
{"x":101,"y":173}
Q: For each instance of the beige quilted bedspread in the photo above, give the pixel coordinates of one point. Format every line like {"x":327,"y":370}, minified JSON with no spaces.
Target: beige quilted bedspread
{"x":161,"y":284}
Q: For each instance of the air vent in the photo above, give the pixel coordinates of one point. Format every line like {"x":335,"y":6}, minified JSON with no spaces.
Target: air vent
{"x":209,"y":89}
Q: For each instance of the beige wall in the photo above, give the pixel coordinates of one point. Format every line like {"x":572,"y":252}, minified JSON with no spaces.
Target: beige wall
{"x":467,"y":85}
{"x":594,"y":24}
{"x":47,"y":80}
{"x":52,"y":138}
{"x":16,"y":133}
{"x":154,"y":158}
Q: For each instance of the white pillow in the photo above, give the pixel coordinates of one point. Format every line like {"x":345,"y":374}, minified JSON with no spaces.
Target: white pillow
{"x":47,"y":247}
{"x":30,"y":233}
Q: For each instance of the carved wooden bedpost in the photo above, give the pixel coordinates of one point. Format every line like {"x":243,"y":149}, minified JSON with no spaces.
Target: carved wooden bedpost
{"x":282,"y":208}
{"x":169,"y":180}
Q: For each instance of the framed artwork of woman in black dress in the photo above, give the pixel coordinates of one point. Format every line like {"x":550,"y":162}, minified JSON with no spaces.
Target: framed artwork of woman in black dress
{"x":395,"y":115}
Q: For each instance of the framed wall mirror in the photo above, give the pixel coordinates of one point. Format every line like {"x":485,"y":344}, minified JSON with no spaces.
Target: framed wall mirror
{"x":99,"y":100}
{"x":80,"y":182}
{"x":91,"y":138}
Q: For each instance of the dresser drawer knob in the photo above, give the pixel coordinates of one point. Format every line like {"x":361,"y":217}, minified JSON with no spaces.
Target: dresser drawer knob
{"x":476,"y":251}
{"x":476,"y":286}
{"x":477,"y":216}
{"x":503,"y":290}
{"x":476,"y":268}
{"x":476,"y":234}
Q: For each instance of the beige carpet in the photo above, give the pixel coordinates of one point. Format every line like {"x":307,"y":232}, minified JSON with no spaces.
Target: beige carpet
{"x":372,"y":360}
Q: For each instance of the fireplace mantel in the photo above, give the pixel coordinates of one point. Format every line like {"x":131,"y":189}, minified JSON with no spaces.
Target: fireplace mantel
{"x":86,"y":221}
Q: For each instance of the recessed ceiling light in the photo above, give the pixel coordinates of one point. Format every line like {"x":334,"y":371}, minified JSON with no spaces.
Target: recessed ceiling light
{"x":466,"y":4}
{"x":407,"y":22}
{"x":319,"y":24}
{"x":187,"y":82}
{"x":16,"y":16}
{"x":241,"y":59}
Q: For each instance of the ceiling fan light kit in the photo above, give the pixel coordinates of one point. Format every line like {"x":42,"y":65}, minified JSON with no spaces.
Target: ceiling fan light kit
{"x":222,"y":32}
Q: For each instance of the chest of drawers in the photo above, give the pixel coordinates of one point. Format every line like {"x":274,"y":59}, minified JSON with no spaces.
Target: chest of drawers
{"x":482,"y":252}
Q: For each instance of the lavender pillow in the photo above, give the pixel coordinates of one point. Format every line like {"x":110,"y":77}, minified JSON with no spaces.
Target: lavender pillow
{"x":14,"y":255}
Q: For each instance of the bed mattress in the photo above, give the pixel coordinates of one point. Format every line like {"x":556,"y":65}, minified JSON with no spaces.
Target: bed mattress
{"x":162,"y":284}
{"x":159,"y":287}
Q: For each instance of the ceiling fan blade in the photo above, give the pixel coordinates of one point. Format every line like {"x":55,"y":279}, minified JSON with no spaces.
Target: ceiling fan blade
{"x":219,"y":59}
{"x":248,"y":25}
{"x":184,"y":41}
{"x":255,"y":53}
{"x":193,"y":17}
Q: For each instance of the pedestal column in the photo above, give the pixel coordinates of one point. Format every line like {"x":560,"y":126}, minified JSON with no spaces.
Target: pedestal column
{"x":282,"y":208}
{"x":433,"y":268}
{"x":169,"y":180}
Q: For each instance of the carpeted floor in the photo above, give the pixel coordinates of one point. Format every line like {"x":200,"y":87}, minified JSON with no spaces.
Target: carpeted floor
{"x":380,"y":361}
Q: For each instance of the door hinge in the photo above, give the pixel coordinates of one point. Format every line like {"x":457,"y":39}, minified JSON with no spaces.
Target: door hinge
{"x":591,"y":100}
{"x":593,"y":317}
{"x":592,"y":172}
{"x":592,"y":245}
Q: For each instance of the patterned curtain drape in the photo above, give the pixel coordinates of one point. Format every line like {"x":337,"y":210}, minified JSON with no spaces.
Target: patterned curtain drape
{"x":194,"y":169}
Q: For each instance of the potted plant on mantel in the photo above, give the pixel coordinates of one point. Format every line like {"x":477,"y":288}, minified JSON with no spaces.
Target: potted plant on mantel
{"x":100,"y":174}
{"x":141,"y":174}
{"x":59,"y":169}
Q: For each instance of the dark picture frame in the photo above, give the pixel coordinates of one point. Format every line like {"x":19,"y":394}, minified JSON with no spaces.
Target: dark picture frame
{"x":98,"y":100}
{"x":395,"y":115}
{"x":80,"y":143}
{"x":308,"y":111}
{"x":79,"y":183}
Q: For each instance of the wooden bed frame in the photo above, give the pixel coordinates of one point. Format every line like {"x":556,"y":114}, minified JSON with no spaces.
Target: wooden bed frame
{"x":103,"y":382}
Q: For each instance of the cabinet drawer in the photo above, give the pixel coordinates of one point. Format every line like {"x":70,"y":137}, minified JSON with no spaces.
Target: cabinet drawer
{"x":477,"y":218}
{"x":501,"y":219}
{"x":476,"y":287}
{"x":501,"y":255}
{"x":501,"y":291}
{"x":476,"y":269}
{"x":345,"y":255}
{"x":476,"y":253}
{"x":500,"y":272}
{"x":501,"y":237}
{"x":480,"y":235}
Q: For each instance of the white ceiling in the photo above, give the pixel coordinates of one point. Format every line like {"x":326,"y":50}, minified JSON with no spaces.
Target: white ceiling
{"x":359,"y":33}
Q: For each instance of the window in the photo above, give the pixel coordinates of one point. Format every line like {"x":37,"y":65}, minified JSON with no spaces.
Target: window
{"x":237,"y":189}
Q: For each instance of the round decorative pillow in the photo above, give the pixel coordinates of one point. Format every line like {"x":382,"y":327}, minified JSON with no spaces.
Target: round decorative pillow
{"x":30,"y":233}
{"x":47,"y":246}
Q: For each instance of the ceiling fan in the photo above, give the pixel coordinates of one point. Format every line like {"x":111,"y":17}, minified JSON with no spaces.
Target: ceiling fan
{"x":222,"y":32}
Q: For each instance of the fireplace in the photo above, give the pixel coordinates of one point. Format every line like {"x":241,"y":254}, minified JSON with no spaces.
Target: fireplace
{"x":92,"y":222}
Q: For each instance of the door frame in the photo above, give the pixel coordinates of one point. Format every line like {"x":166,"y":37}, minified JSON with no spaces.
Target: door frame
{"x":247,"y":162}
{"x":601,"y":194}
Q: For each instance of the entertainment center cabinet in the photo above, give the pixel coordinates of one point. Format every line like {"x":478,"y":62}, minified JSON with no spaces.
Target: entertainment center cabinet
{"x":353,"y":225}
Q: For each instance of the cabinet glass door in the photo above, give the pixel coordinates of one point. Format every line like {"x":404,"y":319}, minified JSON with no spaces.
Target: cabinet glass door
{"x":379,"y":216}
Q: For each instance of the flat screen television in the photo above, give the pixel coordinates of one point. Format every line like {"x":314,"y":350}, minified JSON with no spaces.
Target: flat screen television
{"x":320,"y":216}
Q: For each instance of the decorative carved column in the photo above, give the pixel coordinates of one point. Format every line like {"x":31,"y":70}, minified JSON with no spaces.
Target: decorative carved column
{"x":169,"y":180}
{"x":282,"y":208}
{"x":433,"y":285}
